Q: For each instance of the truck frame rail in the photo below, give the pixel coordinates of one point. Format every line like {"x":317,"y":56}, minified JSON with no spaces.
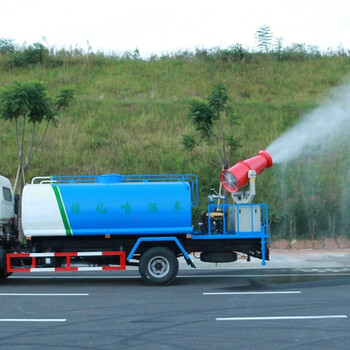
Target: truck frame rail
{"x":32,"y":257}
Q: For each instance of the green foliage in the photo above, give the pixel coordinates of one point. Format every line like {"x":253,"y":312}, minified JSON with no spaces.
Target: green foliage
{"x":235,"y":53}
{"x":6,"y":46}
{"x":28,"y":103}
{"x":25,"y":99}
{"x":31,"y":55}
{"x":202,"y":117}
{"x":215,"y":120}
{"x":218,"y":99}
{"x":189,"y":142}
{"x":264,"y":37}
{"x":298,"y":52}
{"x":65,"y":98}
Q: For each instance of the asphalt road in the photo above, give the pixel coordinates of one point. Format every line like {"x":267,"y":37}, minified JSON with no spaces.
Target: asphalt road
{"x":202,"y":309}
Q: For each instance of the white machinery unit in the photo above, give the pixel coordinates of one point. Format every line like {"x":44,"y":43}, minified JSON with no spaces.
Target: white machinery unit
{"x":244,"y":218}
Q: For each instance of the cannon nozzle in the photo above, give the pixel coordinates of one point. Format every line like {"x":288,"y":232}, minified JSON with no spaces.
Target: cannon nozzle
{"x":237,"y":176}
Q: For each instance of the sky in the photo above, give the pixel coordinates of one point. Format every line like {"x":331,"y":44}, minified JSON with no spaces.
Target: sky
{"x":167,"y":26}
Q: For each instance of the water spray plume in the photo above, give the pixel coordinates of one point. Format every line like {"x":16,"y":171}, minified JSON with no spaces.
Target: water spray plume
{"x":316,"y":130}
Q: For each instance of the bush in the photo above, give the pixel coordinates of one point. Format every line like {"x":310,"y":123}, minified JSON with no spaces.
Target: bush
{"x":6,"y":46}
{"x":36,"y":54}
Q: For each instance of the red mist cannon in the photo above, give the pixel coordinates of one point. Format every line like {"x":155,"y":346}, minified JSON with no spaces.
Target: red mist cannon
{"x":242,"y":173}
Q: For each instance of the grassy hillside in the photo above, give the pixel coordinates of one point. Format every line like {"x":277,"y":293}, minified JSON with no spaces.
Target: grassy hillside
{"x":130,"y":114}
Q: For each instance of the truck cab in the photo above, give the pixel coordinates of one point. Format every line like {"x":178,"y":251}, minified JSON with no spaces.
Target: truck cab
{"x":6,"y":204}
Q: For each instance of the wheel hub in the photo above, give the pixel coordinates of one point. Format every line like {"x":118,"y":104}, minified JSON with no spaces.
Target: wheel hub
{"x":158,"y":266}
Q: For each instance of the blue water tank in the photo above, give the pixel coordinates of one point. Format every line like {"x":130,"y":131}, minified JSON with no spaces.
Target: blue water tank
{"x":107,"y":208}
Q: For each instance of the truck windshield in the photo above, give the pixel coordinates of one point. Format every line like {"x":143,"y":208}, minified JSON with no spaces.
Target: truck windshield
{"x":7,"y":194}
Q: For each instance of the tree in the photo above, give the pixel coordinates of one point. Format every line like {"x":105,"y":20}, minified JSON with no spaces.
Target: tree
{"x":6,"y":46}
{"x":264,"y":37}
{"x":27,"y":105}
{"x":215,"y":120}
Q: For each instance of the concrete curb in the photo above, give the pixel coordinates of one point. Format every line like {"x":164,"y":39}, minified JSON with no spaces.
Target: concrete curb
{"x":285,"y":258}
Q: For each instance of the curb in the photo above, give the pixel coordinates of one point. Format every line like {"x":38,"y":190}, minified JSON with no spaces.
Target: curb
{"x":284,"y":258}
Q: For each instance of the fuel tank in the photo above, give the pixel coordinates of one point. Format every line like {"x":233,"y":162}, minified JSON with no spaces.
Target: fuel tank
{"x":111,"y":208}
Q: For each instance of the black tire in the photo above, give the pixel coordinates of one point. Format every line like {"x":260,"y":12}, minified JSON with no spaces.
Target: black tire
{"x":4,"y":275}
{"x":158,"y":266}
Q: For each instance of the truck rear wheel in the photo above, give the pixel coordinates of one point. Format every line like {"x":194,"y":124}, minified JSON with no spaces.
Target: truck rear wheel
{"x":158,"y":266}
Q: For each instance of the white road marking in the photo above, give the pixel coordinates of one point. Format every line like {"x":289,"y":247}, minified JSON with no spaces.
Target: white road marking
{"x":267,"y":275}
{"x":253,"y":293}
{"x":33,"y":319}
{"x":46,"y":294}
{"x":341,"y":269}
{"x":279,"y":318}
{"x":81,"y":276}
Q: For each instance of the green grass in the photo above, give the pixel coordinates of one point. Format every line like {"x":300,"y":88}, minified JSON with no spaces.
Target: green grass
{"x":138,"y":125}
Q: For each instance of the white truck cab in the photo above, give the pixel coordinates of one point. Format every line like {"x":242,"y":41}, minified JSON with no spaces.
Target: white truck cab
{"x":6,"y":201}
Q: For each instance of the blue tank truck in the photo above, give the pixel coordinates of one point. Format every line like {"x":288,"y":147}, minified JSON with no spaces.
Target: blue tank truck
{"x":107,"y":222}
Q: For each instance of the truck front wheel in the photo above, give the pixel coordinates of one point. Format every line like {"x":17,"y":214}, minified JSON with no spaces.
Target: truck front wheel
{"x":3,"y":273}
{"x":158,"y":266}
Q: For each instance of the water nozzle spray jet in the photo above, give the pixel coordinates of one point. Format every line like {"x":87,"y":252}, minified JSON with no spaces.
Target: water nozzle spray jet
{"x":244,"y":172}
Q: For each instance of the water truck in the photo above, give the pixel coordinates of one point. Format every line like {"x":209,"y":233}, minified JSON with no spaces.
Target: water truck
{"x":109,"y":222}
